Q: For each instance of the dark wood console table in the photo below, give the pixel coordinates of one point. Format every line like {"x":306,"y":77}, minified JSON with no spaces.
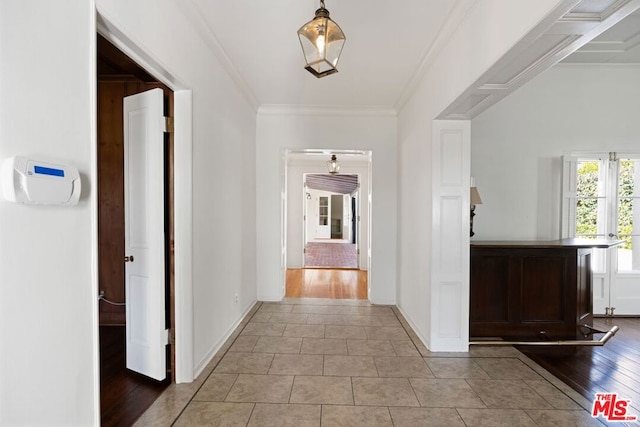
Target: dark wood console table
{"x":532,"y":290}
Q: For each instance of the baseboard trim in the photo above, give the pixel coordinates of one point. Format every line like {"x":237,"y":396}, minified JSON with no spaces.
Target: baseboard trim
{"x":417,"y":330}
{"x":200,"y":367}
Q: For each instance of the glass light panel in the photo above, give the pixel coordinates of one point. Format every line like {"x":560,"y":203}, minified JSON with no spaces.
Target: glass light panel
{"x":588,"y":184}
{"x":591,"y":207}
{"x":628,"y":213}
{"x":587,"y":216}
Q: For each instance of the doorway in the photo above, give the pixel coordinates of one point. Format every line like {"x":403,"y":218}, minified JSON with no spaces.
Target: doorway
{"x":329,"y":240}
{"x":324,"y":219}
{"x":125,"y":395}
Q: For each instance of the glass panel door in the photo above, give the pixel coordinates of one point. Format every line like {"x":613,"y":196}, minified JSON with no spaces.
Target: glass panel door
{"x":625,"y":281}
{"x":591,"y":206}
{"x":323,"y":212}
{"x":628,"y":211}
{"x":603,"y":195}
{"x":323,"y":231}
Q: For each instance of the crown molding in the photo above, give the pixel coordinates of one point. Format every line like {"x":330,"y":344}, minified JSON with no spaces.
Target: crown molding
{"x":195,"y":15}
{"x":455,"y":18}
{"x":324,"y":110}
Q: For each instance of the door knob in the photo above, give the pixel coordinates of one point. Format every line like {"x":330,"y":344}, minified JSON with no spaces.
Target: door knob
{"x":612,"y":235}
{"x":128,"y":258}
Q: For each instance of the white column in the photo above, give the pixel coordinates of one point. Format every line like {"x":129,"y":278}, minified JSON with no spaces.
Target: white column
{"x":450,"y":236}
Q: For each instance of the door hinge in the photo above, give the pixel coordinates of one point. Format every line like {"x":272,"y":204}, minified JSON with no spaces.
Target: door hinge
{"x":169,"y":336}
{"x":358,"y":217}
{"x":168,"y":124}
{"x":358,"y":251}
{"x":304,"y":251}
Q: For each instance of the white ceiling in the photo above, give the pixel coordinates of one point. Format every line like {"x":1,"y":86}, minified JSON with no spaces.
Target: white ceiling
{"x":388,"y":43}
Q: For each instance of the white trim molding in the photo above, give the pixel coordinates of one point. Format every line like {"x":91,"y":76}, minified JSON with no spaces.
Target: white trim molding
{"x":183,"y":189}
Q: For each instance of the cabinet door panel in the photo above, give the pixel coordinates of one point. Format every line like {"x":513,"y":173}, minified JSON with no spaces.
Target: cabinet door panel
{"x":542,"y":288}
{"x":490,"y":290}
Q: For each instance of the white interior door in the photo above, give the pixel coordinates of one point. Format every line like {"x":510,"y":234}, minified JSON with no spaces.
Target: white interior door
{"x":346,"y":217}
{"x":146,"y":332}
{"x":323,"y":227}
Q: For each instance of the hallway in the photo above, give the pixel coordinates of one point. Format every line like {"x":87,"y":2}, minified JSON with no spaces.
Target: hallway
{"x":312,"y":362}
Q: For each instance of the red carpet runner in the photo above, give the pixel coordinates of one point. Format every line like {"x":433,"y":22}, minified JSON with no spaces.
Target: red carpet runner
{"x":336,"y":255}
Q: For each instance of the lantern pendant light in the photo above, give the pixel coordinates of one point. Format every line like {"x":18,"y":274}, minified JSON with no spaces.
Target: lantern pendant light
{"x":322,"y":41}
{"x":333,"y":165}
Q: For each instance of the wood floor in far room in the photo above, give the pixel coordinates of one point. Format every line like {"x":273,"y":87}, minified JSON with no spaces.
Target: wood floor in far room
{"x":326,"y":283}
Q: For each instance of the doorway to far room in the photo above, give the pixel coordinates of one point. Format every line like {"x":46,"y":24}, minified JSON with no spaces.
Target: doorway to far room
{"x":331,"y":221}
{"x":327,"y":225}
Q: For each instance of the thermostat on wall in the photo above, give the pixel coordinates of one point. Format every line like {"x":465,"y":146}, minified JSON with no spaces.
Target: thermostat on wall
{"x":30,"y":181}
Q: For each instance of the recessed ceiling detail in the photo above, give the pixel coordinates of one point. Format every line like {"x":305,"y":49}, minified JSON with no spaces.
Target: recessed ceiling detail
{"x":618,"y":45}
{"x":594,"y":9}
{"x":552,"y":41}
{"x":544,"y":47}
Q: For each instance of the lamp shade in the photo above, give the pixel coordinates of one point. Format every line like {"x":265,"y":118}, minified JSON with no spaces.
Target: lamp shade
{"x":322,"y":41}
{"x":475,"y":196}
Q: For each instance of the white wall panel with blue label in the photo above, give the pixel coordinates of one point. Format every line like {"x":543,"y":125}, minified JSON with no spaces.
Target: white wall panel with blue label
{"x":31,"y":181}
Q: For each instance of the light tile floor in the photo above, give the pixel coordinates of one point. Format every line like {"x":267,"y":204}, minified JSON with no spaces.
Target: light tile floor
{"x":323,"y":363}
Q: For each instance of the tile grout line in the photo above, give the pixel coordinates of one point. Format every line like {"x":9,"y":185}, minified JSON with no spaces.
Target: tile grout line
{"x":353,"y":391}
{"x":409,"y":332}
{"x":251,"y":414}
{"x":390,"y":417}
{"x":256,"y":307}
{"x":555,"y":382}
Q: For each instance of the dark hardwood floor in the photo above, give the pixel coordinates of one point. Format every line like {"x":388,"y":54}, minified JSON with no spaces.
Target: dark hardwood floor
{"x":612,"y":368}
{"x":124,"y":395}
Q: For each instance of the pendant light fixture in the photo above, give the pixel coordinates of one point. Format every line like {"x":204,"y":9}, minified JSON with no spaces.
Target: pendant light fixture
{"x":333,"y":165}
{"x":322,"y":41}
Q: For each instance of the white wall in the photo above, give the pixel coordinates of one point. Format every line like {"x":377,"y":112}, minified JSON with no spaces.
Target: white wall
{"x":48,"y":294}
{"x":223,"y":166}
{"x":340,"y":131}
{"x":516,"y":145}
{"x":295,"y":179}
{"x":490,"y":29}
{"x":47,"y":301}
